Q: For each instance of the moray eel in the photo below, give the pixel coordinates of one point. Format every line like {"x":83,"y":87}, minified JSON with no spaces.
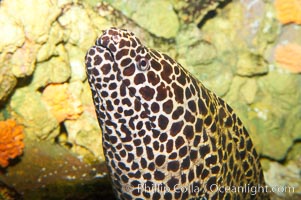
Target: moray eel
{"x":165,"y":136}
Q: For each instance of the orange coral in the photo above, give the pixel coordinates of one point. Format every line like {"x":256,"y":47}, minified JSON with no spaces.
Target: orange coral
{"x":61,"y":102}
{"x":288,"y":11}
{"x":288,"y":56}
{"x":11,"y":141}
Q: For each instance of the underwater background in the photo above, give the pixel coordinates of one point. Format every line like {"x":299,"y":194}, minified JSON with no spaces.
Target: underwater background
{"x":246,"y":51}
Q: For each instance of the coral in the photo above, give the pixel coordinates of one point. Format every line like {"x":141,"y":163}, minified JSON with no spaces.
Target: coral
{"x":288,"y":56}
{"x":61,"y":102}
{"x":11,"y":141}
{"x":288,"y":11}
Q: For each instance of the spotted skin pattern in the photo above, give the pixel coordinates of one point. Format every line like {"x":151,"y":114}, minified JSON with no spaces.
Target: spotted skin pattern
{"x":165,"y":136}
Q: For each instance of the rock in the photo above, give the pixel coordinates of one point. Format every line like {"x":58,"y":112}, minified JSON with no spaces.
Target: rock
{"x":251,"y":65}
{"x":56,"y":35}
{"x":198,"y":53}
{"x":29,"y":110}
{"x":35,"y":16}
{"x":275,"y":116}
{"x":84,"y":133}
{"x":12,"y":34}
{"x":7,"y":83}
{"x":22,"y":62}
{"x":23,"y":19}
{"x":80,"y":32}
{"x":8,"y":192}
{"x":234,"y":95}
{"x":85,"y":136}
{"x":290,"y":34}
{"x":249,"y":90}
{"x":75,"y":54}
{"x":294,"y":153}
{"x":55,"y":70}
{"x":258,"y":26}
{"x":285,"y":179}
{"x":162,"y":23}
{"x":194,"y":10}
{"x":193,"y":48}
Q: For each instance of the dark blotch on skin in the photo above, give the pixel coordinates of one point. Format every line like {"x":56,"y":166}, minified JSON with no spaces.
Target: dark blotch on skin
{"x":197,"y":140}
{"x":173,"y":166}
{"x":186,"y":163}
{"x":149,"y":152}
{"x":161,"y":92}
{"x":189,"y":117}
{"x":153,"y":78}
{"x":168,"y":106}
{"x":228,"y":122}
{"x":156,"y":145}
{"x":204,"y":150}
{"x":179,"y":93}
{"x":155,"y":65}
{"x":155,"y":107}
{"x":163,"y":122}
{"x":160,"y":160}
{"x":97,"y":60}
{"x":176,"y":128}
{"x":158,"y":175}
{"x":202,"y":107}
{"x":182,"y":78}
{"x":208,"y":120}
{"x":179,"y":142}
{"x":94,"y":71}
{"x":190,"y":175}
{"x":163,"y":137}
{"x":192,"y":106}
{"x":167,"y":71}
{"x":169,"y":146}
{"x":183,"y":151}
{"x":129,"y":71}
{"x":177,"y":113}
{"x":193,"y":155}
{"x":121,"y":53}
{"x":188,"y":132}
{"x":172,"y":182}
{"x":211,"y":160}
{"x":139,"y":79}
{"x":139,"y":151}
{"x":147,"y":93}
{"x":199,"y":125}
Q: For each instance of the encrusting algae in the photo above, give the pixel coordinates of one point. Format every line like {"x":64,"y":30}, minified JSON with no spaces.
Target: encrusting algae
{"x":288,"y":56}
{"x":61,"y":102}
{"x":11,"y":141}
{"x":288,"y":11}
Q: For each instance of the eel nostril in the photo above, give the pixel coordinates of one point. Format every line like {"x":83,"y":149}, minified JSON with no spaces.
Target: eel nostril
{"x":116,"y":38}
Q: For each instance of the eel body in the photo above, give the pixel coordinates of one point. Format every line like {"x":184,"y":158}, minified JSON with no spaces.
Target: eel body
{"x":165,"y":136}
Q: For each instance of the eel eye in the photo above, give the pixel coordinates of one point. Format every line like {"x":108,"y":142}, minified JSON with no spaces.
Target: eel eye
{"x":143,"y":64}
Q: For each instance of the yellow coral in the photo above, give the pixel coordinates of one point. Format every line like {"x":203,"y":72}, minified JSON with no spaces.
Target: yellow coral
{"x":11,"y":141}
{"x":61,"y":102}
{"x":288,"y":11}
{"x":288,"y":56}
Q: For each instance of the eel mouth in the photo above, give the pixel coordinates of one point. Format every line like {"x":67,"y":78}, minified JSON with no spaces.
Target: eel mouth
{"x":109,"y":50}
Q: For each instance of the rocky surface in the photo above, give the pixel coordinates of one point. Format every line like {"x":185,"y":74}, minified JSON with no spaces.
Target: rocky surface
{"x":233,"y":47}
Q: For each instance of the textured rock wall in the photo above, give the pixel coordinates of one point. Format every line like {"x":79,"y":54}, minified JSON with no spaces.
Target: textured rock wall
{"x":246,"y":52}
